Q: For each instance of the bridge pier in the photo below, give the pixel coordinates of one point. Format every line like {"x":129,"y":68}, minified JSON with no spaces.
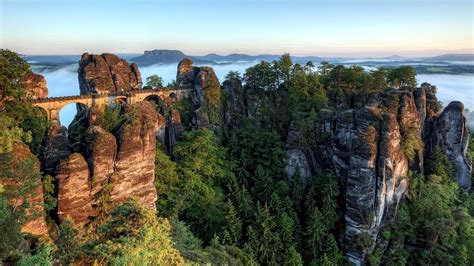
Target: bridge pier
{"x":53,"y":115}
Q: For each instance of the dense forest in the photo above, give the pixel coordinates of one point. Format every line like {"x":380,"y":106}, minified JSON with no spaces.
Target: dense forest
{"x":224,"y":194}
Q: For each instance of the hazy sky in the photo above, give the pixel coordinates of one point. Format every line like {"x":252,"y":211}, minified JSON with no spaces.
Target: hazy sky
{"x":318,"y":27}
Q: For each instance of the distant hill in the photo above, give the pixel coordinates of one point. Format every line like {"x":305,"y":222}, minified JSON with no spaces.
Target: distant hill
{"x":173,"y":56}
{"x":453,"y":57}
{"x":159,"y":56}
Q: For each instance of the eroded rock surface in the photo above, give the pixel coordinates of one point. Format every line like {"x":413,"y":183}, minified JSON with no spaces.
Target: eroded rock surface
{"x":74,"y":194}
{"x":449,"y":132}
{"x":56,"y":147}
{"x":107,"y":73}
{"x":135,"y":169}
{"x":35,"y":85}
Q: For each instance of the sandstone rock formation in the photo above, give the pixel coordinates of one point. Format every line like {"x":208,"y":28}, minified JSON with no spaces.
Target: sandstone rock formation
{"x":101,"y":149}
{"x":124,"y":162}
{"x":135,"y":169}
{"x":107,"y":73}
{"x":203,"y":81}
{"x":449,"y":132}
{"x":74,"y":195}
{"x":56,"y":147}
{"x":35,"y":85}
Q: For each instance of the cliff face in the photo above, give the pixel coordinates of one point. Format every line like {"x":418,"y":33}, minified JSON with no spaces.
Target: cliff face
{"x":124,"y":162}
{"x":449,"y":132}
{"x":35,"y":85}
{"x":135,"y":170}
{"x":370,"y":149}
{"x":107,"y":73}
{"x":204,"y":85}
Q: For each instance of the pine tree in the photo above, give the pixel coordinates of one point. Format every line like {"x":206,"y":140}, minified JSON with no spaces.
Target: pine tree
{"x":315,"y":233}
{"x":233,"y":233}
{"x":69,"y":249}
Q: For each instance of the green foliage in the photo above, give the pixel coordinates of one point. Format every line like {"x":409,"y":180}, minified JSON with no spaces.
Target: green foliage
{"x":10,"y":133}
{"x":110,"y":118}
{"x":15,"y":199}
{"x":68,"y":247}
{"x":154,"y":81}
{"x":134,"y":236}
{"x":233,"y":233}
{"x":402,"y":76}
{"x":234,"y":75}
{"x":438,"y":220}
{"x":41,"y":257}
{"x":411,"y":143}
{"x":166,"y":182}
{"x":48,"y":193}
{"x":261,"y":77}
{"x":12,"y":70}
{"x":191,"y":188}
{"x":19,"y":120}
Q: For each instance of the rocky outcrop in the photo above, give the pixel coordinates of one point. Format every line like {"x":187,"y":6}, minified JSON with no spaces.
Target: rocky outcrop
{"x":124,"y":161}
{"x":74,"y":195}
{"x":363,"y":147}
{"x":56,"y":146}
{"x":233,"y":108}
{"x":206,"y":91}
{"x":295,"y":153}
{"x":101,"y":149}
{"x":35,"y":85}
{"x":134,"y":164}
{"x":449,"y":132}
{"x":107,"y":73}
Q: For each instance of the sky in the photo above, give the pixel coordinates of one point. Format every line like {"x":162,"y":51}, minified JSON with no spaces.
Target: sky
{"x":356,"y":28}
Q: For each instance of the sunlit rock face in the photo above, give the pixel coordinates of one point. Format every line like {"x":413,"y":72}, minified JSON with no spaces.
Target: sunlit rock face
{"x":121,"y":165}
{"x":101,"y":150}
{"x":107,"y":73}
{"x":134,"y":165}
{"x":74,"y":194}
{"x":363,"y":148}
{"x":35,"y":85}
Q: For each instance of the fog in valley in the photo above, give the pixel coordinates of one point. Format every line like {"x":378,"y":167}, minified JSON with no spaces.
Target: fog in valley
{"x":64,"y":82}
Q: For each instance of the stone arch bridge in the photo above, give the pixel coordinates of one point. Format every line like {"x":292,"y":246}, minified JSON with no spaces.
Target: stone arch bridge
{"x":53,"y":105}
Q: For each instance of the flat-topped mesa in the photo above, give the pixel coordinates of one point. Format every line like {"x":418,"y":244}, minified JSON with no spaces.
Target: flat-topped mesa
{"x":107,"y":73}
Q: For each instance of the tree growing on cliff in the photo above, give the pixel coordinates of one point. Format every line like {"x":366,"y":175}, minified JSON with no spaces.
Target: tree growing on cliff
{"x":402,"y":76}
{"x":154,"y":81}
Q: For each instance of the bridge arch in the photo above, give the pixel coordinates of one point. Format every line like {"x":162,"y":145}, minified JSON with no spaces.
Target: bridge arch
{"x":68,"y":112}
{"x":158,"y":101}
